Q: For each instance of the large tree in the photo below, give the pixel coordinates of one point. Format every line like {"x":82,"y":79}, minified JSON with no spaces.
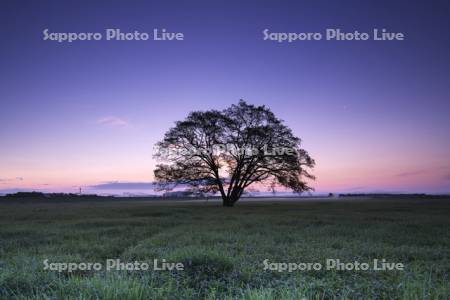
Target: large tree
{"x":227,"y":151}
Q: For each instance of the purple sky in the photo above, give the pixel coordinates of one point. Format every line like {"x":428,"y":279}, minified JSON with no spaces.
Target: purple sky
{"x":373,"y":114}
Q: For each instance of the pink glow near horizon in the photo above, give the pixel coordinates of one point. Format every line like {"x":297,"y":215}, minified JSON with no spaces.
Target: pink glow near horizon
{"x":367,"y":177}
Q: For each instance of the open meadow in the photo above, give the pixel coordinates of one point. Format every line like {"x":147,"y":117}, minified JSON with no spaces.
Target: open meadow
{"x":223,"y":249}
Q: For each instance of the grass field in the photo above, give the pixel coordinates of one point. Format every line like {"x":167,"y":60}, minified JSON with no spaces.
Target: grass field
{"x":223,"y":249}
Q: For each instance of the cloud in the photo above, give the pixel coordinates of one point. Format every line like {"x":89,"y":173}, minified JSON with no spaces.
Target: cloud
{"x":113,"y":121}
{"x":15,"y":190}
{"x":411,"y":173}
{"x":357,"y":188}
{"x":11,"y":179}
{"x":418,"y":172}
{"x":115,"y":185}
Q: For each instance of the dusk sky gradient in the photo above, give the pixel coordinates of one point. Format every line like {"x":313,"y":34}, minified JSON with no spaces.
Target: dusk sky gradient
{"x":373,"y":114}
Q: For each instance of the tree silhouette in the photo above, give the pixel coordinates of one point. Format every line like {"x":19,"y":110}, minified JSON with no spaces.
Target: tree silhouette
{"x":227,"y":151}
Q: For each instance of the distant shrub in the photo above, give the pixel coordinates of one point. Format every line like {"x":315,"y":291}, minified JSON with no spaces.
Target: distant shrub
{"x":26,"y":195}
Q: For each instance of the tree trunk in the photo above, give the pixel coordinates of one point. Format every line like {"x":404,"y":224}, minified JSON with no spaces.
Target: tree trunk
{"x":233,"y":198}
{"x":228,"y":202}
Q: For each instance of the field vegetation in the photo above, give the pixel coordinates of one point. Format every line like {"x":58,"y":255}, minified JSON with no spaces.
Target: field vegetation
{"x":223,"y":249}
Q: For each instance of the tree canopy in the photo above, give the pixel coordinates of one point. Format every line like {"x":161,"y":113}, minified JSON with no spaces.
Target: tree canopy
{"x":227,"y":151}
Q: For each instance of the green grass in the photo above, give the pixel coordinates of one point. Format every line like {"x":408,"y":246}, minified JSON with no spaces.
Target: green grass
{"x":223,"y":249}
